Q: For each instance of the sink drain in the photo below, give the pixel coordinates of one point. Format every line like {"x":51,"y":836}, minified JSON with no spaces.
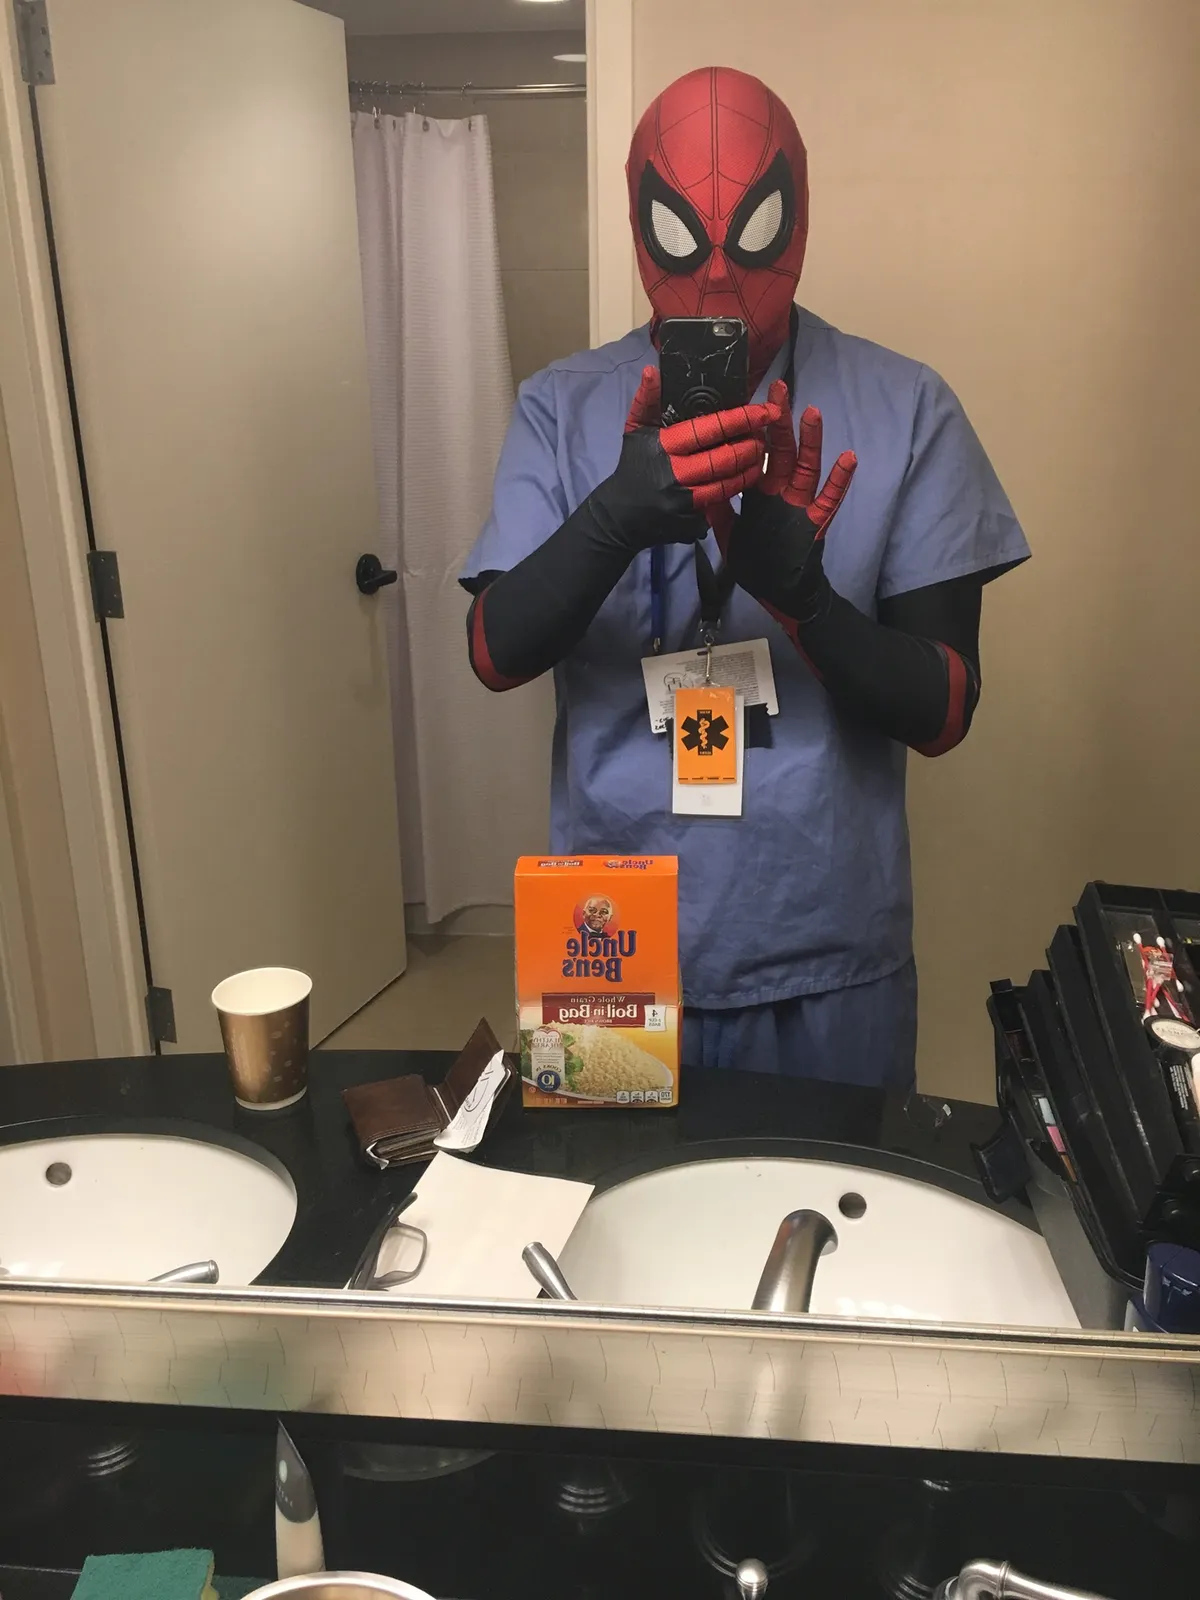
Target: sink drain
{"x":58,"y":1173}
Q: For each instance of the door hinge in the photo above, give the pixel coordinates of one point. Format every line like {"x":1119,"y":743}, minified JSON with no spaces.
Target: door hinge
{"x":160,"y":1015}
{"x":33,"y":41}
{"x":105,"y":575}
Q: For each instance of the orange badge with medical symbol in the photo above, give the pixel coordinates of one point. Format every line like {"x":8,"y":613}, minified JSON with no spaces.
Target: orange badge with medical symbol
{"x":706,"y":735}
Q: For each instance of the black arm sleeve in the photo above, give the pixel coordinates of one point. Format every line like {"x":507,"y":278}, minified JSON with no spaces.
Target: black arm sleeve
{"x":914,"y":673}
{"x":526,"y":620}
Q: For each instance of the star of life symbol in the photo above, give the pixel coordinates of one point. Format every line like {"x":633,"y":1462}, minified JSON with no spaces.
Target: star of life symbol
{"x":705,"y":733}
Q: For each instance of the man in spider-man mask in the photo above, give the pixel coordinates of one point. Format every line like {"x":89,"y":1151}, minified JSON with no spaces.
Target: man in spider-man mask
{"x":796,"y":917}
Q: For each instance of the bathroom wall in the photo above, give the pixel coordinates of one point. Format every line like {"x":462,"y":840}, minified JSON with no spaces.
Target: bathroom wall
{"x":1011,"y":193}
{"x":539,"y":154}
{"x":32,"y":801}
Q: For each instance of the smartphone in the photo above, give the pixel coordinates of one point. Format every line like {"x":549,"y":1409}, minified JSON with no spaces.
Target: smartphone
{"x":705,"y":366}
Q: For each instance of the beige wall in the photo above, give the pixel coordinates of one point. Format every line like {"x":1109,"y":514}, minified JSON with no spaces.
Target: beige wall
{"x":1010,"y":191}
{"x":539,"y":158}
{"x":33,"y":804}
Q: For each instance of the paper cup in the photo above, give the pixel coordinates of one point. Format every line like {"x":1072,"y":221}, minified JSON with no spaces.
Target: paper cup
{"x":264,"y":1023}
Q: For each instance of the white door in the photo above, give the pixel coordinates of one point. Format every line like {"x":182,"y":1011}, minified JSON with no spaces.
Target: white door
{"x":201,"y":190}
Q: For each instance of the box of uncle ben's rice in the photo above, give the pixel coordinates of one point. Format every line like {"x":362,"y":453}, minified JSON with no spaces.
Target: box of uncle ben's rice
{"x":598,"y":980}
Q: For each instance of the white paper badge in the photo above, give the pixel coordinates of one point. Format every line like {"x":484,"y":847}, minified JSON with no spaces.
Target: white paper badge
{"x":745,"y":666}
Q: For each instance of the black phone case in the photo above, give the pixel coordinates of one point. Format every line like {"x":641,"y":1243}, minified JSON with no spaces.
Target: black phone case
{"x":702,"y":369}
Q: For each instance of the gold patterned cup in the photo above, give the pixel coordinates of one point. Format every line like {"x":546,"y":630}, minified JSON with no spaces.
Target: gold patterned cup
{"x":264,"y":1023}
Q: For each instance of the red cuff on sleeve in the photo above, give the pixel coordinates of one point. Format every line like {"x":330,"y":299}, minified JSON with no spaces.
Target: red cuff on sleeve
{"x":792,"y":628}
{"x":954,"y":729}
{"x":481,"y":657}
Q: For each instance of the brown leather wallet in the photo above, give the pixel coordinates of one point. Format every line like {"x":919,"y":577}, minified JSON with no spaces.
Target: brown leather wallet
{"x":397,"y":1119}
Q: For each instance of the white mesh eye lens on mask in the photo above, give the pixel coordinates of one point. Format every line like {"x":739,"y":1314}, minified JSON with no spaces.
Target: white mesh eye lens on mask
{"x":763,"y":225}
{"x":672,"y":233}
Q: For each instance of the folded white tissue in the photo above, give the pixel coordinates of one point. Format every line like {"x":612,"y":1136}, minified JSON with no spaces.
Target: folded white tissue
{"x":478,"y":1220}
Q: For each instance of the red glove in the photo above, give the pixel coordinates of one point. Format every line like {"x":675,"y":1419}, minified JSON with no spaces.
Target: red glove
{"x":667,"y":478}
{"x":774,"y":546}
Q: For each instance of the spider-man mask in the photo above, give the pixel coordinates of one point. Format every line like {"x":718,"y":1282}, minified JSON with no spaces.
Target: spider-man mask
{"x":718,"y":198}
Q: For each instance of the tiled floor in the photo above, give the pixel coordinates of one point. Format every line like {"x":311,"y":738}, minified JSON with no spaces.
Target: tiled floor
{"x":450,"y":983}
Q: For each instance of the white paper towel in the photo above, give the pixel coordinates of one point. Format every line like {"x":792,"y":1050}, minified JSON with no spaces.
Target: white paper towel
{"x":478,"y":1221}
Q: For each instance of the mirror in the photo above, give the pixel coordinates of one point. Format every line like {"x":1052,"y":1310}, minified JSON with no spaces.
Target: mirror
{"x":345,"y":430}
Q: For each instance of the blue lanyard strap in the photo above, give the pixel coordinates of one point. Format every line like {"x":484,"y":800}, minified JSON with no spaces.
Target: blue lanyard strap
{"x":658,"y":597}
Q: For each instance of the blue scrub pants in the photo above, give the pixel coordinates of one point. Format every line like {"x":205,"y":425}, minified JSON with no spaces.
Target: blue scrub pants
{"x":866,"y":1034}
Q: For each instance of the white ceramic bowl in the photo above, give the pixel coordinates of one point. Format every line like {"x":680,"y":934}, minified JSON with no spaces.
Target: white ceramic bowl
{"x":340,"y":1586}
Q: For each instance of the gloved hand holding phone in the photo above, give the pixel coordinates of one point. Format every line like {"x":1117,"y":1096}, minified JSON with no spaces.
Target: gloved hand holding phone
{"x":668,"y":478}
{"x":665,"y":487}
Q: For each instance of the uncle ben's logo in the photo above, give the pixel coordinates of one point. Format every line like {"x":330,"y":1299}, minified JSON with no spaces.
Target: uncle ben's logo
{"x":600,"y":947}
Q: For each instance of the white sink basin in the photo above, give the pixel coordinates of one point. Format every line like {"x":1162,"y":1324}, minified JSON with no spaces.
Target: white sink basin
{"x":699,"y":1235}
{"x":121,"y":1208}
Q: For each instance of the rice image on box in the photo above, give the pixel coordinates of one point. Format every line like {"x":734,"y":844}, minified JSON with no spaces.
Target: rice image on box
{"x":598,"y":980}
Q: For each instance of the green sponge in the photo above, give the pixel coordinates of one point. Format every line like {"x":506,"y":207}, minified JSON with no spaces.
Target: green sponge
{"x":162,"y":1575}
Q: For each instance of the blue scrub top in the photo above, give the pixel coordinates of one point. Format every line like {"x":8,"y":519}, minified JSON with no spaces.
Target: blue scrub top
{"x":810,"y":889}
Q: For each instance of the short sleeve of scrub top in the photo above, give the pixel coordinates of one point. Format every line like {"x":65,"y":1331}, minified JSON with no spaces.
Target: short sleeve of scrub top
{"x":951,"y":517}
{"x":528,"y":503}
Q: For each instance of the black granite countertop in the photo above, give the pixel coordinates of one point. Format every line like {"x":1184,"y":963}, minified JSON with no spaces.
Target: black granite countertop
{"x":341,"y":1199}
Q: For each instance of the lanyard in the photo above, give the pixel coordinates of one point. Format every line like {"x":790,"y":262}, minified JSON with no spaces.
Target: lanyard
{"x":714,"y":587}
{"x":658,"y":597}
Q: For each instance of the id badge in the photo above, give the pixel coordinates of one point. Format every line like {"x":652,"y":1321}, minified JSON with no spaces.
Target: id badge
{"x":745,"y":666}
{"x":708,"y":751}
{"x":706,"y":738}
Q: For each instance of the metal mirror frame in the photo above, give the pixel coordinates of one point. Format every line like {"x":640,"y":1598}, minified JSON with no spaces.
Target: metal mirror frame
{"x":744,"y":1375}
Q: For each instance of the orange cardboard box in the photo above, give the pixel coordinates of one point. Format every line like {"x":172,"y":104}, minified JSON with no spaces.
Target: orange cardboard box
{"x":598,"y":980}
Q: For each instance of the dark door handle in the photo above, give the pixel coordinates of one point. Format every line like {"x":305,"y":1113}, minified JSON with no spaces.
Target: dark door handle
{"x":370,"y":574}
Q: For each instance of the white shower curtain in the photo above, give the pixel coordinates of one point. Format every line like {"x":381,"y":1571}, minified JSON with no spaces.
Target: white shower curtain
{"x":472,"y":767}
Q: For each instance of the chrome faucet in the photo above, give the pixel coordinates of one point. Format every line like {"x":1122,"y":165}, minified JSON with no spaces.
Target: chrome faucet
{"x":547,"y":1272}
{"x":752,"y":1580}
{"x":786,"y":1284}
{"x":996,"y":1580}
{"x":194,"y":1272}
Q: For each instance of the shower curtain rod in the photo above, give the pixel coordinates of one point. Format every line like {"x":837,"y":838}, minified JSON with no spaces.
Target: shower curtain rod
{"x":469,"y":91}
